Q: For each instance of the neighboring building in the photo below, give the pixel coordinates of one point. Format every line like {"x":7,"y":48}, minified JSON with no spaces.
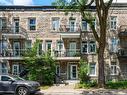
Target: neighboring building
{"x":68,"y":37}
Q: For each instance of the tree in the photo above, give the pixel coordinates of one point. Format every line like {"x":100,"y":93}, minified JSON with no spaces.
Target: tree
{"x":102,"y":9}
{"x":41,"y":67}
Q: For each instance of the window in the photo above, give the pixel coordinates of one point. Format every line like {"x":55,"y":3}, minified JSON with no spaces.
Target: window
{"x":16,"y":25}
{"x":92,"y":71}
{"x":4,"y":68}
{"x":84,"y":47}
{"x":113,"y":23}
{"x":113,"y":68}
{"x":92,"y":47}
{"x":55,"y":23}
{"x":84,"y":25}
{"x":58,"y":70}
{"x":32,"y":24}
{"x":59,"y":45}
{"x":5,"y":78}
{"x":89,"y":47}
{"x":39,"y":51}
{"x":72,"y":25}
{"x":15,"y":69}
{"x":48,"y":45}
{"x":3,"y":23}
{"x":28,"y":44}
{"x":113,"y":46}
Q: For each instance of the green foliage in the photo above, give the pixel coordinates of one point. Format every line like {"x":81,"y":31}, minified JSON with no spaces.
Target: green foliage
{"x":83,"y":71}
{"x":91,"y":84}
{"x":117,"y":85}
{"x":41,"y":67}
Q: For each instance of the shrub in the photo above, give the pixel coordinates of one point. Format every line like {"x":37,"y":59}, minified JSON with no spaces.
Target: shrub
{"x":116,"y":85}
{"x":87,"y":85}
{"x":83,"y":72}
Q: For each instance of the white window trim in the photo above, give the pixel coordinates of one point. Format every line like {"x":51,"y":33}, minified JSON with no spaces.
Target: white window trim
{"x":55,"y":18}
{"x":95,"y":70}
{"x":32,"y":24}
{"x":88,"y":47}
{"x":17,"y":65}
{"x":113,"y":69}
{"x":113,"y":23}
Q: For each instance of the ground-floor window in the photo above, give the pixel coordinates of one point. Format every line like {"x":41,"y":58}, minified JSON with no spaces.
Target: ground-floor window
{"x":92,"y":69}
{"x":15,"y":69}
{"x":113,"y":68}
{"x":58,"y":70}
{"x":4,"y":68}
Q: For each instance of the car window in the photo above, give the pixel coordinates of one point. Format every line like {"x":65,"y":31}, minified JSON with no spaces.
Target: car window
{"x":5,"y":78}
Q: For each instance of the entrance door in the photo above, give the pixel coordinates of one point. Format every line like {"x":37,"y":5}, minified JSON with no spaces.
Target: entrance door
{"x":72,"y":49}
{"x":16,"y":48}
{"x":73,"y":71}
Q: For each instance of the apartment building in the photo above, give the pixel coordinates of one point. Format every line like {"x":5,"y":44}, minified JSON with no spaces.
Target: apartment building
{"x":67,"y":35}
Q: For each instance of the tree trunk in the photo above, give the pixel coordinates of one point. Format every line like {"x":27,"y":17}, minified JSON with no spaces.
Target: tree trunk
{"x":101,"y":76}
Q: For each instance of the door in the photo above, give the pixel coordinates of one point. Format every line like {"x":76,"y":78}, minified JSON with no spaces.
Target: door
{"x":73,"y":71}
{"x":72,"y":25}
{"x":72,"y":49}
{"x":16,"y":48}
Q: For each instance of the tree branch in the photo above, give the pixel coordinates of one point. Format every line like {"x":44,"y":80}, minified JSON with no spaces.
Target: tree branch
{"x":109,"y":4}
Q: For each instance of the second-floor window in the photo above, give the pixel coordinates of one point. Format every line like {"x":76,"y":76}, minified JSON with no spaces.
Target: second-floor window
{"x":72,"y":25}
{"x":28,"y":44}
{"x":88,"y":47}
{"x":113,"y":45}
{"x":3,"y":23}
{"x":113,"y":22}
{"x":84,"y":25}
{"x":55,"y":23}
{"x":32,"y":23}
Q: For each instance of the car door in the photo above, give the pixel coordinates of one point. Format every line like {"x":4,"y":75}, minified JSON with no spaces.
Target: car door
{"x":6,"y":85}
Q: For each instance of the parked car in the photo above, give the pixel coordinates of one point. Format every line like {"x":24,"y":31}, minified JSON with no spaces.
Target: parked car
{"x":18,"y":86}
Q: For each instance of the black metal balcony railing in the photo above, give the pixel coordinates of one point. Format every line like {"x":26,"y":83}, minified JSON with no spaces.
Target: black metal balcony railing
{"x":67,"y":53}
{"x":122,"y":52}
{"x":13,"y":31}
{"x":13,"y":52}
{"x":70,"y":28}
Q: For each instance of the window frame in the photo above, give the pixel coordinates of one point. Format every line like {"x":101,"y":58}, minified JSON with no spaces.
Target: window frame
{"x":95,"y":73}
{"x":88,"y":43}
{"x":114,"y":65}
{"x":56,"y":21}
{"x":32,"y":25}
{"x":113,"y":22}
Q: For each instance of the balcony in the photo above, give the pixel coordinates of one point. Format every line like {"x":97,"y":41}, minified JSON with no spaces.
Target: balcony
{"x":69,"y":31}
{"x":12,"y":53}
{"x":67,"y":54}
{"x":14,"y":32}
{"x":123,"y":31}
{"x":122,"y":53}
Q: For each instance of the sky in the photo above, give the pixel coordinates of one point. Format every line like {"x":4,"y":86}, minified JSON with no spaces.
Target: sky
{"x":36,"y":2}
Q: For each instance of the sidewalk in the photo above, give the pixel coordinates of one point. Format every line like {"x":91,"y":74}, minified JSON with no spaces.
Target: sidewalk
{"x":62,"y":89}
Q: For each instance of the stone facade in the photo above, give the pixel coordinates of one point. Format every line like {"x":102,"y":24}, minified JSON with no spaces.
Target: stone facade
{"x":74,"y":40}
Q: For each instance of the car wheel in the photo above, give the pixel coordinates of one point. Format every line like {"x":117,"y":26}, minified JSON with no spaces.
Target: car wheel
{"x":22,"y":91}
